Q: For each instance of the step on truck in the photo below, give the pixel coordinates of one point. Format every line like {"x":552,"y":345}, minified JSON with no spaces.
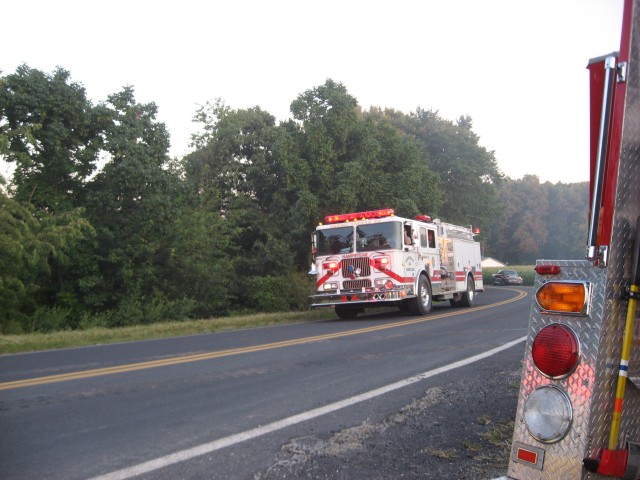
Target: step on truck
{"x":377,"y":259}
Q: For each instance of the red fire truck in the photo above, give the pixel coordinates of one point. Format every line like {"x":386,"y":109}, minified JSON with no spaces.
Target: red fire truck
{"x":578,"y":413}
{"x":376,"y":259}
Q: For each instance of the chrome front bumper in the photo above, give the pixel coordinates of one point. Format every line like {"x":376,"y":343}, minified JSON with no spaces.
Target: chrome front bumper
{"x":358,"y":297}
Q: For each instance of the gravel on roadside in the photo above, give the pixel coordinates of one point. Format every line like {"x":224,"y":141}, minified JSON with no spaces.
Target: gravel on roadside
{"x":460,"y":428}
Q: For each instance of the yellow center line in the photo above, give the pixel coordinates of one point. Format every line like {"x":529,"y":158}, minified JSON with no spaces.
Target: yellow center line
{"x":238,"y":351}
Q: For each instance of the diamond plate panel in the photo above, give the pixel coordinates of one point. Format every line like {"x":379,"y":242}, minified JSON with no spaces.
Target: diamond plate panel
{"x":626,"y":212}
{"x":564,"y":459}
{"x":591,"y":388}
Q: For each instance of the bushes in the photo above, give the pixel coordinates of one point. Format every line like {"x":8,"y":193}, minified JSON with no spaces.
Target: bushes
{"x":273,"y":294}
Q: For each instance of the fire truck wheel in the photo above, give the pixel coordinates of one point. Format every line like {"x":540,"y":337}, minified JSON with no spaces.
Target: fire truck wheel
{"x":468,"y":297}
{"x":346,"y":312}
{"x":421,"y":304}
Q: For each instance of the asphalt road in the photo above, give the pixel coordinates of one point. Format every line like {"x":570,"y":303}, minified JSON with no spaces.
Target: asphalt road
{"x":223,"y":405}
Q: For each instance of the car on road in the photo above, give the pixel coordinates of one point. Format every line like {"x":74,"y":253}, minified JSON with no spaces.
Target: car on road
{"x":507,"y":277}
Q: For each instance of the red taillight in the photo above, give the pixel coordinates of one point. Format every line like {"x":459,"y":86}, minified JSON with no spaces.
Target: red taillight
{"x":556,"y":350}
{"x":547,"y":269}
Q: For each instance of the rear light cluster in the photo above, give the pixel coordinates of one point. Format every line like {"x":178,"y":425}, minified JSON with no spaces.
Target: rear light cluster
{"x":555,"y":351}
{"x":548,"y":412}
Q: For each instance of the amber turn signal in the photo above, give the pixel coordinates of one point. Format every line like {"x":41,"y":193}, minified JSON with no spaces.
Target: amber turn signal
{"x":564,"y":297}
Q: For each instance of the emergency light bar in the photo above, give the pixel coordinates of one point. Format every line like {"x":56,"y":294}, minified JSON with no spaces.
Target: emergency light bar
{"x":350,"y":217}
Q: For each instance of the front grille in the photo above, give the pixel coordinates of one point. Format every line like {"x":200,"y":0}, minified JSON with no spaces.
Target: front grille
{"x":362,"y":263}
{"x":356,"y":284}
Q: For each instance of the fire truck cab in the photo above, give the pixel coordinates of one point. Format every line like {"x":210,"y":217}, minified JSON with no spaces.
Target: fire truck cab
{"x":376,"y":259}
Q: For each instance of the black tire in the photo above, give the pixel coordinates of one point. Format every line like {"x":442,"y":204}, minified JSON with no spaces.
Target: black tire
{"x":422,"y":303}
{"x":468,"y":297}
{"x":347,"y":312}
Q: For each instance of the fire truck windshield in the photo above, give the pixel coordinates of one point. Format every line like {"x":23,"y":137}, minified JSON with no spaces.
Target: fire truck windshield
{"x":379,"y":236}
{"x":335,"y":240}
{"x":370,"y":237}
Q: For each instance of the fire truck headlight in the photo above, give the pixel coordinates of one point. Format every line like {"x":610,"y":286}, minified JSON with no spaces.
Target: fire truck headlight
{"x":548,"y":414}
{"x":384,"y":283}
{"x":330,"y":286}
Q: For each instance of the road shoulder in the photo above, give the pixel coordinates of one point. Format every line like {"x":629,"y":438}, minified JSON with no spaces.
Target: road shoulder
{"x":460,"y":427}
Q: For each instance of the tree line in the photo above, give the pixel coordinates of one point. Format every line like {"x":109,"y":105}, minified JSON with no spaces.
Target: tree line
{"x":99,"y":226}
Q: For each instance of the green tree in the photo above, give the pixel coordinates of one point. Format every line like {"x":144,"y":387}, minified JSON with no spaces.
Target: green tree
{"x":240,"y":171}
{"x":521,"y":229}
{"x":384,"y":169}
{"x":131,"y":203}
{"x":33,"y":245}
{"x":567,"y":221}
{"x":327,"y":117}
{"x":200,"y":262}
{"x":52,"y":134}
{"x":468,"y":173}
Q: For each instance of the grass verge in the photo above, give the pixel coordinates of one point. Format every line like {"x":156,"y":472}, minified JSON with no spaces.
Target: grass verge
{"x":102,"y":336}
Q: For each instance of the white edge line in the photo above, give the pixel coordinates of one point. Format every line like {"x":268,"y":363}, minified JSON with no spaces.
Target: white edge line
{"x":205,"y":448}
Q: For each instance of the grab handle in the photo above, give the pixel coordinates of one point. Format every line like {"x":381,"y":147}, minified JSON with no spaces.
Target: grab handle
{"x":605,"y":119}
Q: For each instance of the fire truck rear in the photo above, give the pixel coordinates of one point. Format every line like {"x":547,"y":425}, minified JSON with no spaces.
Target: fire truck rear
{"x":578,"y":413}
{"x":376,"y":259}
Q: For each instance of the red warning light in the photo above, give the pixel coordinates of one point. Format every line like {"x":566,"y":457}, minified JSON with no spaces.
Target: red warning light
{"x":556,"y":350}
{"x":351,"y":217}
{"x":547,"y":269}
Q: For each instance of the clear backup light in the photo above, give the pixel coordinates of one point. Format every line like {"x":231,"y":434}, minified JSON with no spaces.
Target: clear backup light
{"x":548,"y":414}
{"x":556,"y":351}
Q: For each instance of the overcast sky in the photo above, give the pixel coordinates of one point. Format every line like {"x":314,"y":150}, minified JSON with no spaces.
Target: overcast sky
{"x":518,"y":68}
